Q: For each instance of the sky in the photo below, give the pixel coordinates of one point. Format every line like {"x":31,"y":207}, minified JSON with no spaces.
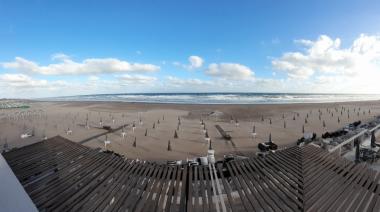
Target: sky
{"x":59,"y":48}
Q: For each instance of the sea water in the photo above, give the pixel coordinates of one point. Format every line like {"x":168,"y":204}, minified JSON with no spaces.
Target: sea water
{"x":221,"y":98}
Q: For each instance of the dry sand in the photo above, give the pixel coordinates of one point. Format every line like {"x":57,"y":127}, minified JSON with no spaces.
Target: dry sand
{"x":55,"y":118}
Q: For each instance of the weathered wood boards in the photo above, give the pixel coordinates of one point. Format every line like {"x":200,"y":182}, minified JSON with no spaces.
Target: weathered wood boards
{"x":224,"y":134}
{"x":61,"y":175}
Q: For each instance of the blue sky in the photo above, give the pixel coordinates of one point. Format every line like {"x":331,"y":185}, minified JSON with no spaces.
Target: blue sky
{"x":53,"y":48}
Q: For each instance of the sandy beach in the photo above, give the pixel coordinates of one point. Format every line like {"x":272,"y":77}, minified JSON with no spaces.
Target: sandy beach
{"x":156,"y":124}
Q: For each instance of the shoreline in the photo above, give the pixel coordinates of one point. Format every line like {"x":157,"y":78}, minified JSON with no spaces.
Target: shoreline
{"x":199,"y":104}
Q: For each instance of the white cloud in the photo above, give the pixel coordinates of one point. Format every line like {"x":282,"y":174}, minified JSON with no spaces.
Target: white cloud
{"x":93,"y":78}
{"x":194,"y":63}
{"x":21,"y":81}
{"x":175,"y":84}
{"x":127,"y":79}
{"x":178,"y":82}
{"x":60,"y":56}
{"x":23,"y":86}
{"x":322,"y":65}
{"x":67,"y":66}
{"x":231,"y":71}
{"x":325,"y":56}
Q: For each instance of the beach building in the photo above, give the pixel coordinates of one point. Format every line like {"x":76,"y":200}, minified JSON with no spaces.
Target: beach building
{"x":58,"y":174}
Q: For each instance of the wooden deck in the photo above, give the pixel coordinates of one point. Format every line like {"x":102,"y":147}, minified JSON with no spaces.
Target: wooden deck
{"x":65,"y":176}
{"x":103,"y":133}
{"x":224,"y":134}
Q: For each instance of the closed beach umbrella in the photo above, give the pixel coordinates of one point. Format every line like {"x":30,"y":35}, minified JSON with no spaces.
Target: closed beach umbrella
{"x":169,"y":146}
{"x":134,"y":143}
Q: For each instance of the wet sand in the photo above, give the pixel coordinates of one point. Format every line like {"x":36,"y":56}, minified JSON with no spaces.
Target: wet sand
{"x":55,"y":118}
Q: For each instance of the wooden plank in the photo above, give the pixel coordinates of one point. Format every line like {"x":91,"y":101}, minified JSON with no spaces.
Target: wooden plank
{"x":276,"y":197}
{"x":257,"y":192}
{"x":333,"y":187}
{"x":86,"y":190}
{"x":59,"y":173}
{"x":247,"y":205}
{"x":370,"y":194}
{"x":353,"y":197}
{"x":203,"y":190}
{"x":196,"y":188}
{"x":227,"y":189}
{"x":170,"y":192}
{"x":162,"y":196}
{"x":325,"y":183}
{"x":348,"y":199}
{"x":60,"y":197}
{"x":129,"y":188}
{"x":108,"y":200}
{"x":147,"y":189}
{"x":190,"y":190}
{"x":99,"y":195}
{"x":66,"y":179}
{"x":224,"y":134}
{"x":176,"y":191}
{"x":156,"y":188}
{"x":138,"y":189}
{"x":208,"y":188}
{"x":62,"y":175}
{"x":184,"y":188}
{"x":281,"y":177}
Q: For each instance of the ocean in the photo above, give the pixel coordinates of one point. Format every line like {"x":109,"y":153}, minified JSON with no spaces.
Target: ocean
{"x":221,"y":98}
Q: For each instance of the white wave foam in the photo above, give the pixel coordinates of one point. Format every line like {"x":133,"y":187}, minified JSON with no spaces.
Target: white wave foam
{"x":236,"y":98}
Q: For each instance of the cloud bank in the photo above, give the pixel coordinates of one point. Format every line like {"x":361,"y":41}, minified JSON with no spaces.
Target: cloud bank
{"x":232,"y":71}
{"x":323,"y":65}
{"x":325,"y":56}
{"x":67,"y":66}
{"x":195,"y":62}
